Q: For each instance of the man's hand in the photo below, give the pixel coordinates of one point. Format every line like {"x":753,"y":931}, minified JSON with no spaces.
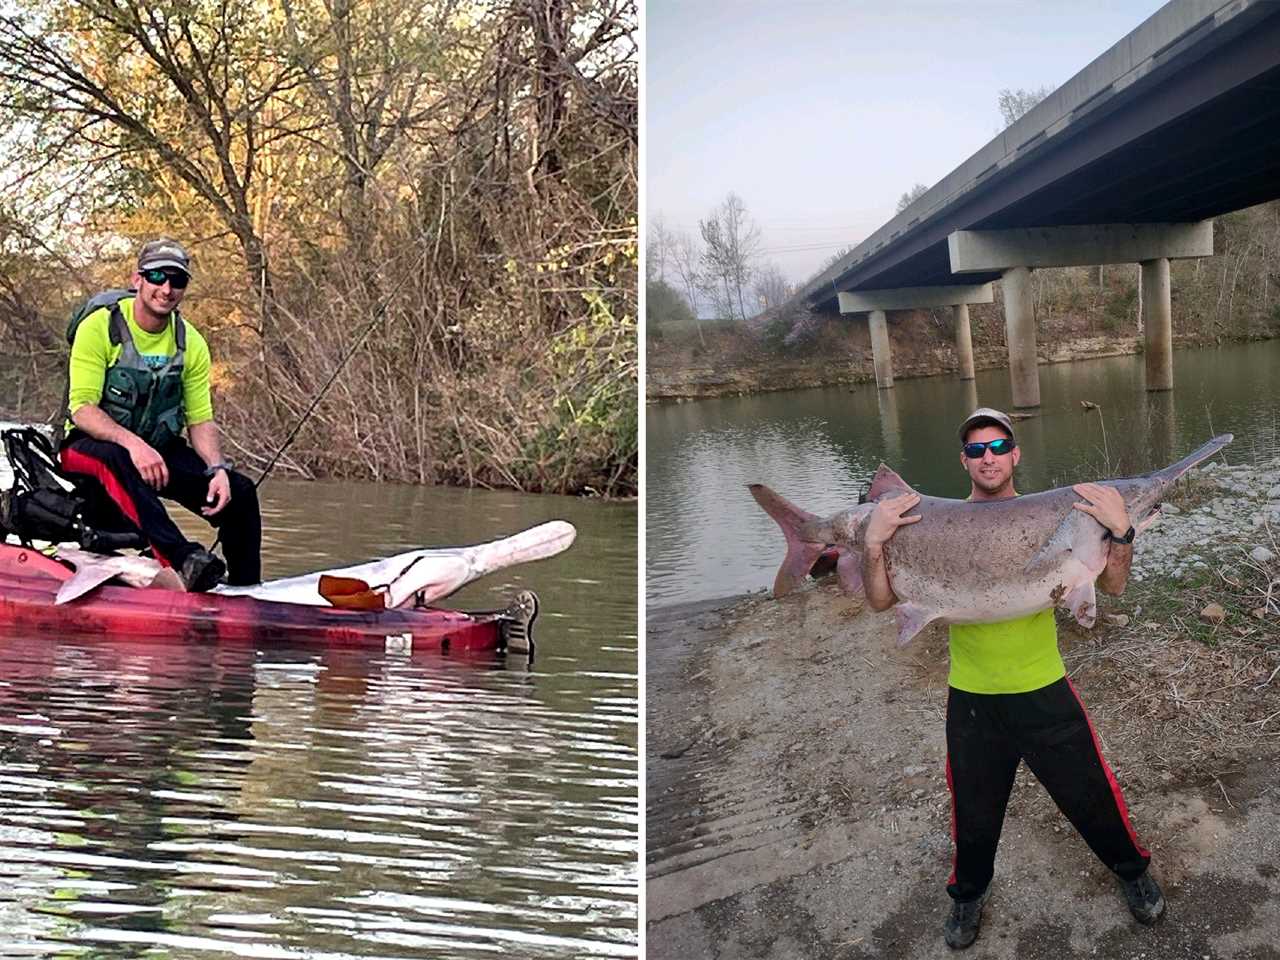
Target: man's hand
{"x":888,"y":517}
{"x":149,"y":463}
{"x":219,"y":493}
{"x":1105,"y":505}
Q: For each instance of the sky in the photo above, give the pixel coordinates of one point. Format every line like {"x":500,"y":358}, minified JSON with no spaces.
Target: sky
{"x":820,"y":115}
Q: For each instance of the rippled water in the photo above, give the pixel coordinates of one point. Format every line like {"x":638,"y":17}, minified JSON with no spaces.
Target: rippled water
{"x":214,"y":800}
{"x":819,"y":448}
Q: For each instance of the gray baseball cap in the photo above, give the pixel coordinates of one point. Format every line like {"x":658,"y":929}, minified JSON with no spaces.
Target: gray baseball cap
{"x":164,"y":253}
{"x":983,"y":416}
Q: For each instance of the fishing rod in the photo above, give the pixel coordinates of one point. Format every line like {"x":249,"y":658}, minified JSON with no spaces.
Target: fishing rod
{"x":275,"y":457}
{"x":378,"y":313}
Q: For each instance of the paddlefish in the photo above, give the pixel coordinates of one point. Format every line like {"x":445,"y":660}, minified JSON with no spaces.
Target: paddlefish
{"x":428,"y":574}
{"x":974,"y":562}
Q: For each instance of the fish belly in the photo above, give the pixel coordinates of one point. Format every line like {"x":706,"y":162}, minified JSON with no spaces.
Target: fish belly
{"x":956,"y":601}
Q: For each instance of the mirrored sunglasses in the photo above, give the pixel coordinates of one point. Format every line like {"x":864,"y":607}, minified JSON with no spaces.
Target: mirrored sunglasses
{"x":999,"y":447}
{"x":175,"y":278}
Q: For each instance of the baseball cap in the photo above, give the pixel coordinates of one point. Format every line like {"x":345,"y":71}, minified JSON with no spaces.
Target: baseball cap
{"x":983,"y":416}
{"x":164,"y":253}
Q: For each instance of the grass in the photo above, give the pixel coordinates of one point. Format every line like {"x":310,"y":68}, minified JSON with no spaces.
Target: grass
{"x":1202,"y":694}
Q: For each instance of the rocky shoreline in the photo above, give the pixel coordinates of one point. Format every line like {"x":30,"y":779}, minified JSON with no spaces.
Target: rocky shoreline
{"x":1233,"y":519}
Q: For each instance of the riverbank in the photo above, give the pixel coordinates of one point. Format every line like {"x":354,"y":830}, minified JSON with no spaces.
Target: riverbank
{"x":731,"y":361}
{"x":797,"y":802}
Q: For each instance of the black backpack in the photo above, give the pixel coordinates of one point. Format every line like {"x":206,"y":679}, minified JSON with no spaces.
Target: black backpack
{"x":46,"y":504}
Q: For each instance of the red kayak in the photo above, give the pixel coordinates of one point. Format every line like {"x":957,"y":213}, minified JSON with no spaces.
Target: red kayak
{"x":29,"y":582}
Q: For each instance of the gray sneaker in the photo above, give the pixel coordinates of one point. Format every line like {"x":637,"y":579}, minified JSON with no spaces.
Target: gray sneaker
{"x":961,"y":928}
{"x":1145,"y":900}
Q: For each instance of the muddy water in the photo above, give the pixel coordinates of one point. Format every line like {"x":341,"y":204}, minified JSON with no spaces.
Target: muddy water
{"x":819,"y":448}
{"x":212,"y":800}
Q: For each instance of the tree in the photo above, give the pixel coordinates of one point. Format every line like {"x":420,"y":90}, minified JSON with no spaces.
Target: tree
{"x":732,"y":241}
{"x":686,"y":262}
{"x":911,"y":196}
{"x":371,"y":69}
{"x":183,"y":115}
{"x":658,"y":248}
{"x":772,"y":286}
{"x":1015,"y":104}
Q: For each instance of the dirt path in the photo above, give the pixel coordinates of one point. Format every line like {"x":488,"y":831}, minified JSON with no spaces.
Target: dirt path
{"x":797,"y":805}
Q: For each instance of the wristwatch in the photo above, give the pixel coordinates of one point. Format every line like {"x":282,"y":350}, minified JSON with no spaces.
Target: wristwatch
{"x":211,"y":470}
{"x":1127,"y":538}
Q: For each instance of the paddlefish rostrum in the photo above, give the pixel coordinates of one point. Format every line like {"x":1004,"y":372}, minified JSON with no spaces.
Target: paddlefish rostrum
{"x":974,"y":562}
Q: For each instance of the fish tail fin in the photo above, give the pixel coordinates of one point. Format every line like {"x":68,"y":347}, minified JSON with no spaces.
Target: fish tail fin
{"x":1174,"y":471}
{"x":801,"y":553}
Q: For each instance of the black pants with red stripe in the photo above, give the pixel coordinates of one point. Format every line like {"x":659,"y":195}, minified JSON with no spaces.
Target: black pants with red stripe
{"x":987,"y":735}
{"x":239,"y":521}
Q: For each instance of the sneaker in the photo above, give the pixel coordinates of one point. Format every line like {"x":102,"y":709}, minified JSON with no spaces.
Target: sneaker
{"x":1145,"y":900}
{"x":202,"y":571}
{"x":961,"y":928}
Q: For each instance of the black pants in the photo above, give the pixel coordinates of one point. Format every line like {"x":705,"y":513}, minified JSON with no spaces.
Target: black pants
{"x":987,"y":735}
{"x":239,"y":521}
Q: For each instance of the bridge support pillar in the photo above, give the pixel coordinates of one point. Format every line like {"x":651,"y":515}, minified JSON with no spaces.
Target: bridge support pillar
{"x":880,"y":355}
{"x":1020,"y":331}
{"x":1157,"y":323}
{"x":964,"y":340}
{"x":875,"y":303}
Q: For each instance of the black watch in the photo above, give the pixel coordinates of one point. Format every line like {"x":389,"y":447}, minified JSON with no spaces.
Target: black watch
{"x":1127,"y":538}
{"x":225,"y":465}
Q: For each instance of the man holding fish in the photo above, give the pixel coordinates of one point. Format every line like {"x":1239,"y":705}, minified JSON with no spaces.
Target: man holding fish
{"x":994,"y":566}
{"x":1009,"y":699}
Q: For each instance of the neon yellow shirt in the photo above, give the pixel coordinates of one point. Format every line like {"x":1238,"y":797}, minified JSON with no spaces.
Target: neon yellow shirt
{"x":93,"y":352}
{"x":1007,"y":656}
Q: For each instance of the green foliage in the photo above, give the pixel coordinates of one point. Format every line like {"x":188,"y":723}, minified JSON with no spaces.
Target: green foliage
{"x":665,"y":307}
{"x":775,"y":332}
{"x":595,"y":408}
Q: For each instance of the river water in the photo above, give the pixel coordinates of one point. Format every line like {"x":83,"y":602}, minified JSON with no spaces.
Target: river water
{"x":214,"y":800}
{"x":707,"y":538}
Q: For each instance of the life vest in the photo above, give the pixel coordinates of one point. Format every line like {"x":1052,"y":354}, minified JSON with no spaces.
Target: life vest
{"x":143,"y":400}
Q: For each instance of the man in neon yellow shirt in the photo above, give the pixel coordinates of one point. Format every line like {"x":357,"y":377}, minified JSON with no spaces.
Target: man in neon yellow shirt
{"x":139,"y":374}
{"x":1009,"y":700}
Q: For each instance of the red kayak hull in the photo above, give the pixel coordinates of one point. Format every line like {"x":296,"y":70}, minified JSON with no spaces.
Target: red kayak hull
{"x":29,"y":582}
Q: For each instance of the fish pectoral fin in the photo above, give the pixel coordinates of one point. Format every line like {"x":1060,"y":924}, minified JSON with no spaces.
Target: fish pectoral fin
{"x":86,"y":577}
{"x":351,"y":593}
{"x":1083,"y":604}
{"x":912,"y":618}
{"x":167,"y":579}
{"x":1064,"y":543}
{"x":849,"y":570}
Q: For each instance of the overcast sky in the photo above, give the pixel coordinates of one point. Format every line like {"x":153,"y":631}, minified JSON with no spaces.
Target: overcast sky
{"x":820,"y":115}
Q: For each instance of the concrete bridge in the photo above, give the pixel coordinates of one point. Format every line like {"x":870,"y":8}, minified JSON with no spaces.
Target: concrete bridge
{"x":1127,"y":162}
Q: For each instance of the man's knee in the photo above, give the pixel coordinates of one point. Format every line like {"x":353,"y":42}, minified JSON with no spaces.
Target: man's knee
{"x":111,"y":455}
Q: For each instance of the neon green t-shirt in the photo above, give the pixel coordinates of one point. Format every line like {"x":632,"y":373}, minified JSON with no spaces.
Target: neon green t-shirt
{"x":93,"y":352}
{"x":1007,"y":656}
